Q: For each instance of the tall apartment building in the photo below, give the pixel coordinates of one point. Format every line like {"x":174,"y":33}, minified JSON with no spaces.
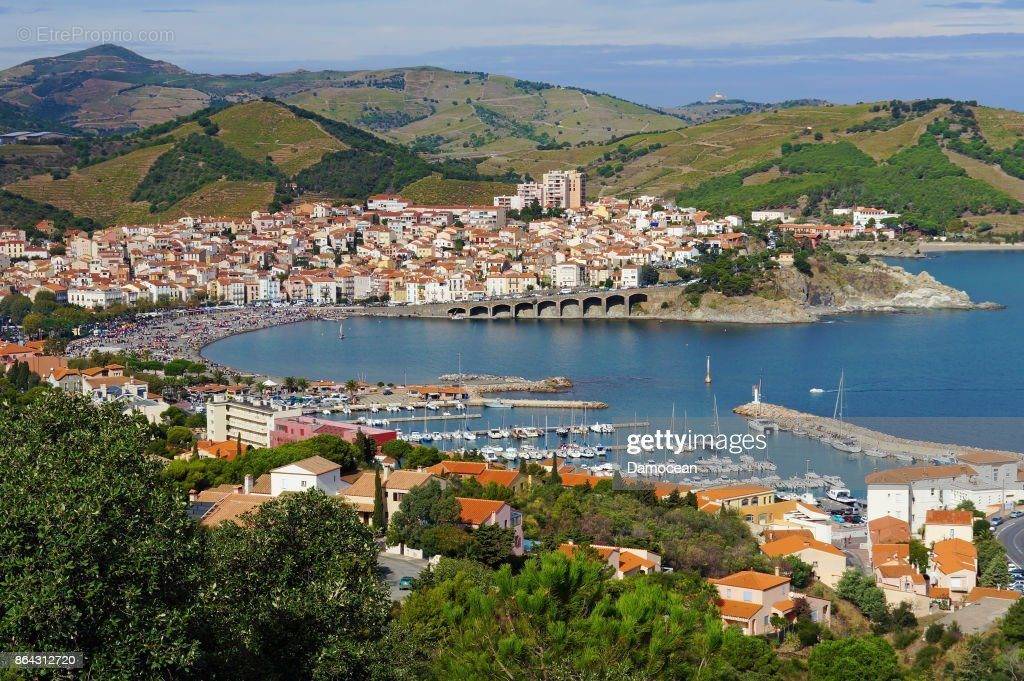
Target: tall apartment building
{"x":528,"y":192}
{"x":253,"y":421}
{"x":564,"y":189}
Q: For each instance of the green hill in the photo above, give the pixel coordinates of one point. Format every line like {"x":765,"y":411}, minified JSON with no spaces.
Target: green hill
{"x":232,"y":160}
{"x":110,"y":88}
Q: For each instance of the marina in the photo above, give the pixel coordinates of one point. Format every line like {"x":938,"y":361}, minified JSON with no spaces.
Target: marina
{"x":645,"y":370}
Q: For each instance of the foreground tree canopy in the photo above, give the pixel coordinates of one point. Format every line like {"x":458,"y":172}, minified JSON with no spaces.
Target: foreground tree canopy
{"x":98,"y":554}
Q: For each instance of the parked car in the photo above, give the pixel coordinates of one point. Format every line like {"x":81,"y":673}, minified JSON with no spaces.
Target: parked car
{"x":405,"y":583}
{"x":1016,"y":514}
{"x":995,"y":522}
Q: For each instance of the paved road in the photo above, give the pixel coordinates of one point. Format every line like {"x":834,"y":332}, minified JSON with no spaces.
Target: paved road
{"x":1011,"y":534}
{"x":393,"y":568}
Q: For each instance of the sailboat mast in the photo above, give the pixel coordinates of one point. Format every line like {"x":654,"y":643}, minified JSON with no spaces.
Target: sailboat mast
{"x":707,"y":371}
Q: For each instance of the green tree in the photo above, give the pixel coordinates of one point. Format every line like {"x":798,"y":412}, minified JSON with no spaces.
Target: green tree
{"x":868,"y":657}
{"x":179,"y":436}
{"x":423,"y":507}
{"x":800,"y":572}
{"x":993,"y":569}
{"x":379,"y":516}
{"x":317,"y":609}
{"x":1013,"y":622}
{"x":919,"y":555}
{"x":492,"y":545}
{"x":648,"y":275}
{"x":97,"y":553}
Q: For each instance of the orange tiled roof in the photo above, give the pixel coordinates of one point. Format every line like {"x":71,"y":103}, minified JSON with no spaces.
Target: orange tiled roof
{"x":917,"y":473}
{"x":748,"y":579}
{"x":458,"y":468}
{"x":477,"y":511}
{"x":953,"y":555}
{"x":991,"y":458}
{"x":732,"y":492}
{"x":737,"y":609}
{"x":499,"y":477}
{"x":889,"y":530}
{"x":882,"y":553}
{"x":979,"y":592}
{"x":897,"y":570}
{"x":795,"y":542}
{"x":784,"y":605}
{"x":938,"y":516}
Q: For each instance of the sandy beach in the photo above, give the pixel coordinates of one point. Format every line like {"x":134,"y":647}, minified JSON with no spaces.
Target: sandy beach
{"x":182,"y":334}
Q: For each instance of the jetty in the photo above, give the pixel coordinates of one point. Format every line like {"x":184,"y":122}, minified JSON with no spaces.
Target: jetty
{"x":536,"y":404}
{"x":872,"y":442}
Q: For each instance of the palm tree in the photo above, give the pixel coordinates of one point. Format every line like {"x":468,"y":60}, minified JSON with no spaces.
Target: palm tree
{"x":290,"y":383}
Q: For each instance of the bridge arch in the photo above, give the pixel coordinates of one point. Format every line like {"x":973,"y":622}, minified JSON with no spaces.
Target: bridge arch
{"x":478,"y":311}
{"x":615,"y":305}
{"x":456,"y":310}
{"x":501,"y":311}
{"x":635,"y":300}
{"x":593,"y":307}
{"x":547,"y":309}
{"x":569,"y":307}
{"x":525,"y":310}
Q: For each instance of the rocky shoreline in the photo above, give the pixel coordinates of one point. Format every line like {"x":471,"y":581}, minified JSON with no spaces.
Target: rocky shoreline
{"x":791,"y":298}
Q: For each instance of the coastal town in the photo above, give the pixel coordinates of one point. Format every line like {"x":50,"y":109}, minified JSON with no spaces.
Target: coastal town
{"x":546,"y":237}
{"x":684,"y":345}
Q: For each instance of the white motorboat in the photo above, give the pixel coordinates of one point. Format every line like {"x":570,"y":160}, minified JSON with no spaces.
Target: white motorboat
{"x":468,"y":435}
{"x":840,"y":494}
{"x":494,"y":434}
{"x":817,"y":391}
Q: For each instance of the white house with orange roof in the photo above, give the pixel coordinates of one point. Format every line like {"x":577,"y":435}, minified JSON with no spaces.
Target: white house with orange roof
{"x":745,"y":499}
{"x":953,"y":565}
{"x":942,"y":524}
{"x":987,"y":479}
{"x":625,"y":562}
{"x":828,"y":562}
{"x":748,"y":600}
{"x":475,"y":513}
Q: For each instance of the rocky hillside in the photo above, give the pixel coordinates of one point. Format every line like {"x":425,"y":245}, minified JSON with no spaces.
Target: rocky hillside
{"x":791,"y":297}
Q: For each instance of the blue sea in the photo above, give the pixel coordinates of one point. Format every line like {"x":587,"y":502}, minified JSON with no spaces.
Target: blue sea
{"x":948,"y":376}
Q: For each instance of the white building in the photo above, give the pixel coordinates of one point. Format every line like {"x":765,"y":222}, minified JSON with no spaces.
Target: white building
{"x":252,"y":421}
{"x":986,"y":479}
{"x":862,"y":216}
{"x":780,"y":214}
{"x":566,"y":275}
{"x":315,"y":472}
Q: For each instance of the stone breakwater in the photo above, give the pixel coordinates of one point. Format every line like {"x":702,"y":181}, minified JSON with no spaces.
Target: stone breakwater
{"x":488,"y":383}
{"x":184,"y":333}
{"x":873,"y":442}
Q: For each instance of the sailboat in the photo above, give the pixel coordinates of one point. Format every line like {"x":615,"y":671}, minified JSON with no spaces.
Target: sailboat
{"x":707,"y":372}
{"x":341,"y":330}
{"x":842,"y":444}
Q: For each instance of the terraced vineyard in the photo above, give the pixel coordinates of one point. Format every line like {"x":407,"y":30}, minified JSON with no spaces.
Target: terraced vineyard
{"x":261,"y":129}
{"x":224,"y":198}
{"x":102,"y":191}
{"x":437,"y":190}
{"x":686,"y":156}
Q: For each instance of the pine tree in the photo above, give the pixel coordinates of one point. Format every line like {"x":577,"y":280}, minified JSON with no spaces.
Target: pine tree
{"x":379,"y":521}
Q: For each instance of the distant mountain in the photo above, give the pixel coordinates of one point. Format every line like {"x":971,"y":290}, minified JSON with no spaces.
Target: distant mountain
{"x":102,"y":88}
{"x":111,"y":89}
{"x":715,"y":108}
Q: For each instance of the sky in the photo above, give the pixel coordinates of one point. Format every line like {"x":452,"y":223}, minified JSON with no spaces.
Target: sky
{"x":659,"y":52}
